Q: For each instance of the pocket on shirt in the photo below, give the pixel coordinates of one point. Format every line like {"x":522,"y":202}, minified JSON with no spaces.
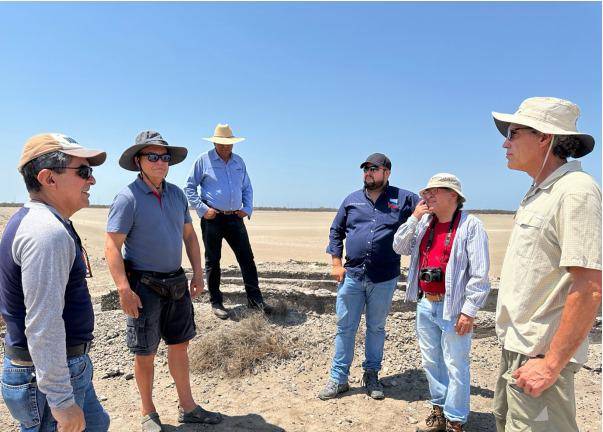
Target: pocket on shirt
{"x":19,"y":392}
{"x":528,"y":226}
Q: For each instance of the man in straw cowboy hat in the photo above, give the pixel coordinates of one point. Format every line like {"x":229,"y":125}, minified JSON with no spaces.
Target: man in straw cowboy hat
{"x":550,"y":288}
{"x":150,"y":219}
{"x":449,"y":267}
{"x":44,"y":298}
{"x":367,"y":220}
{"x":226,"y":198}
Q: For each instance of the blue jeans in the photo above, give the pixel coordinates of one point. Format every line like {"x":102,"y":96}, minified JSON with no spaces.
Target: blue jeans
{"x":445,"y":357}
{"x":28,"y":405}
{"x":352,"y":298}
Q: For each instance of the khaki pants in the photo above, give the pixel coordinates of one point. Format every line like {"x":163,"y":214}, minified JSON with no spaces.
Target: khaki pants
{"x":553,"y":411}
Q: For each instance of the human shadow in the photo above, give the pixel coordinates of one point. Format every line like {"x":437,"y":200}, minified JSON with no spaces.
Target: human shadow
{"x":283,"y":315}
{"x":411,"y":385}
{"x":481,"y":422}
{"x":249,"y":422}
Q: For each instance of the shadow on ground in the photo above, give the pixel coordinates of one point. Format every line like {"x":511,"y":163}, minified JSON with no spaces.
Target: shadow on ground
{"x":284,"y":315}
{"x":249,"y":422}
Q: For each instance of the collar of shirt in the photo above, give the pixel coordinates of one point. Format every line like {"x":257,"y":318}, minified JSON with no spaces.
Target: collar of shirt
{"x":213,"y":154}
{"x":385,"y":191}
{"x":146,"y":188}
{"x":554,"y":176}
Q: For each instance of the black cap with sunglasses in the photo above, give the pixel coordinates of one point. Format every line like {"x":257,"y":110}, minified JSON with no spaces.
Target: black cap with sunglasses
{"x":377,"y":159}
{"x":150,"y":138}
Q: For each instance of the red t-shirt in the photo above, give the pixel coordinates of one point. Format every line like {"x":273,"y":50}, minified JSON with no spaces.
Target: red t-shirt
{"x":437,"y":256}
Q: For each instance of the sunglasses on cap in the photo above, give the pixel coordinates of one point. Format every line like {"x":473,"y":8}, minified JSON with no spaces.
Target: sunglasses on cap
{"x":154,"y":157}
{"x":83,"y":171}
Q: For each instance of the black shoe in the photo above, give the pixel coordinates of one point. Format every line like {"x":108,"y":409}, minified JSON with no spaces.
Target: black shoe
{"x":219,"y":311}
{"x":264,"y":307}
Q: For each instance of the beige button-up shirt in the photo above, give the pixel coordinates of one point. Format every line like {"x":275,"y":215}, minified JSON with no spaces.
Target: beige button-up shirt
{"x":557,"y":225}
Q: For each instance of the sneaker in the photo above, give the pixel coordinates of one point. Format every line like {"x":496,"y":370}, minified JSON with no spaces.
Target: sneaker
{"x":151,"y":423}
{"x":332,"y":389}
{"x":454,"y":426}
{"x":219,"y":311}
{"x":435,"y":422}
{"x":374,"y":388}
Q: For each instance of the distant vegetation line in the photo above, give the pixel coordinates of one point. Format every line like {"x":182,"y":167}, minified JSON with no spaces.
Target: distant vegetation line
{"x":306,"y":209}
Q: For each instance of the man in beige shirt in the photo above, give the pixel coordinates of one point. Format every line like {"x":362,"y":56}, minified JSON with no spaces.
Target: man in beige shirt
{"x":550,"y":288}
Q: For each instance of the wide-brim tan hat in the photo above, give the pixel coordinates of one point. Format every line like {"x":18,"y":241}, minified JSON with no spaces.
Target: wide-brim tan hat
{"x":145,"y":139}
{"x":548,"y":115}
{"x":223,"y":135}
{"x":45,"y":143}
{"x":445,"y":180}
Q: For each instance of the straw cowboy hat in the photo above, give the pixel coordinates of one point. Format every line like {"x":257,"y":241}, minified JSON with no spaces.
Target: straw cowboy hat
{"x":445,"y":180}
{"x":149,"y":138}
{"x":223,"y":135}
{"x":547,"y":115}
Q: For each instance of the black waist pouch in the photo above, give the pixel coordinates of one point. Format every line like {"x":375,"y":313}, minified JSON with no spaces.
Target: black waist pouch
{"x":173,"y":287}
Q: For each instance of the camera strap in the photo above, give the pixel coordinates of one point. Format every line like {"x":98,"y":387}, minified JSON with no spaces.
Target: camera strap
{"x":448,"y":235}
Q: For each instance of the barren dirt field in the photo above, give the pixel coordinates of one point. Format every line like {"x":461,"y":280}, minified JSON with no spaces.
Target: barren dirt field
{"x":277,"y":391}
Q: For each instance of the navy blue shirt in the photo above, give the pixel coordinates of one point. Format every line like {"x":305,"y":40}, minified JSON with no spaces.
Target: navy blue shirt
{"x":368,"y":230}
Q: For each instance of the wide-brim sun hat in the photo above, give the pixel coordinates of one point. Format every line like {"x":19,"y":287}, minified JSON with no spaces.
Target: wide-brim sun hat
{"x":145,"y":139}
{"x":445,"y":180}
{"x":223,"y":135}
{"x":45,"y":143}
{"x":548,"y":115}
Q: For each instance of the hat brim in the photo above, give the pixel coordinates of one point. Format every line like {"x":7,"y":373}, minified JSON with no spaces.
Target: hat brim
{"x":126,"y":161}
{"x":503,"y":121}
{"x":223,"y":140}
{"x":94,"y":157}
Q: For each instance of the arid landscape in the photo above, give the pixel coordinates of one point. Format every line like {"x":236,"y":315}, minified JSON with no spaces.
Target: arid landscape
{"x":276,"y":390}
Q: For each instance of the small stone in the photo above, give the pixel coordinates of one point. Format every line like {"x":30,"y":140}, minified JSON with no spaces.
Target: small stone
{"x":129,"y":376}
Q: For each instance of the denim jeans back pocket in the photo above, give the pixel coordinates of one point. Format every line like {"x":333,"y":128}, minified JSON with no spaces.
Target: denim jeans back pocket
{"x":19,"y":391}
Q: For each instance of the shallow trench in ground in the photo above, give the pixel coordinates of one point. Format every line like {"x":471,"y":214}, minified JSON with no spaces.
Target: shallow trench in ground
{"x":281,"y":394}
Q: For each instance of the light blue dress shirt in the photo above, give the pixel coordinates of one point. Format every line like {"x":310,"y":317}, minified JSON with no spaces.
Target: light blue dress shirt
{"x":224,"y":185}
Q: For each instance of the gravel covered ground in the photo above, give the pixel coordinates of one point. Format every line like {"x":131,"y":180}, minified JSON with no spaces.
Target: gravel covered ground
{"x":281,"y":395}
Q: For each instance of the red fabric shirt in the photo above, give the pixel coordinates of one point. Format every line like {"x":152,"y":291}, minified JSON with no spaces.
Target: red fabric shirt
{"x":437,"y":256}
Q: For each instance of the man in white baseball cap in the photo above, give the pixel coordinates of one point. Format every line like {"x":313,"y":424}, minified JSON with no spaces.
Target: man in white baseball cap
{"x":550,"y":288}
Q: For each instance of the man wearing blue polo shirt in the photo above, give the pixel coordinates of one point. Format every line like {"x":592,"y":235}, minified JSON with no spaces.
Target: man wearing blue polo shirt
{"x":150,"y":219}
{"x":367,"y":220}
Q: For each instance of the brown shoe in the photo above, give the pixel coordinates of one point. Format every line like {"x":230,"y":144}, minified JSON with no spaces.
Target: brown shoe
{"x":435,"y":422}
{"x":454,"y":426}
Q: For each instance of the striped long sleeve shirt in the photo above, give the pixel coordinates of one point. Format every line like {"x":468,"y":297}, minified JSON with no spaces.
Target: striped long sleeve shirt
{"x":467,"y":284}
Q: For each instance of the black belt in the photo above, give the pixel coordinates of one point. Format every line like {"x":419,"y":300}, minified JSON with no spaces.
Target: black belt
{"x":22,"y":354}
{"x":158,"y":274}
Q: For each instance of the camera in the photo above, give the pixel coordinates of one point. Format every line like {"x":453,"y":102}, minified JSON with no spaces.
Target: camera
{"x":430,"y":274}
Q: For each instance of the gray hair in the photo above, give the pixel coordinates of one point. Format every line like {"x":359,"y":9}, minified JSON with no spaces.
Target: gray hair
{"x":566,"y":146}
{"x":56,"y":160}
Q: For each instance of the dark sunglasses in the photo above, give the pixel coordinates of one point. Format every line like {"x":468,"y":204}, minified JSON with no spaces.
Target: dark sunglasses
{"x":372,"y":169}
{"x":83,"y":171}
{"x":154,"y":157}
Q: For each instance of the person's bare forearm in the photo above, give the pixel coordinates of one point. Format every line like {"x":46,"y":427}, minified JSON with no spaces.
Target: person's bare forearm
{"x":580,"y":309}
{"x":193,"y":251}
{"x":116,"y":266}
{"x":337,"y":261}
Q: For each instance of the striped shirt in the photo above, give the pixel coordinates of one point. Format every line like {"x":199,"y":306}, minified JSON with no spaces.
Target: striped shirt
{"x":466,"y":280}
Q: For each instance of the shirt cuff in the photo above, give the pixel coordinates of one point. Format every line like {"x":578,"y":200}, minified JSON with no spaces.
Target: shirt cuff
{"x":469,"y":309}
{"x":63,"y":404}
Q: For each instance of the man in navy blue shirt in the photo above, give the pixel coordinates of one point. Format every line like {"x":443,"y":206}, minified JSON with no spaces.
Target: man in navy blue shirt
{"x":367,"y":220}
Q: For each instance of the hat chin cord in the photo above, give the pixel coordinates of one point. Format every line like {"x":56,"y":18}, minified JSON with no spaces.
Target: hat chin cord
{"x":534,"y":183}
{"x":157,"y":188}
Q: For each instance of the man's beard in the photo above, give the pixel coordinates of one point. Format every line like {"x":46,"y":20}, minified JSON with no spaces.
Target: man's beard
{"x":374,"y":185}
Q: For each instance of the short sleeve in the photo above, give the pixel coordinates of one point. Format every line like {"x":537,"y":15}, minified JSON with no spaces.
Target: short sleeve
{"x":579,"y":230}
{"x":121,"y":215}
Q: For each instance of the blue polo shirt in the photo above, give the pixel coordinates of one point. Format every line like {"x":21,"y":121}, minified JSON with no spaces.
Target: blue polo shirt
{"x":368,"y":230}
{"x":153,"y":225}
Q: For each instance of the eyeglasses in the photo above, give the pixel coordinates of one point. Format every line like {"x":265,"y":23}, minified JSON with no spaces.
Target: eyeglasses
{"x":83,"y":171}
{"x":372,"y":169}
{"x":154,"y":157}
{"x":432,"y":191}
{"x":512,"y":132}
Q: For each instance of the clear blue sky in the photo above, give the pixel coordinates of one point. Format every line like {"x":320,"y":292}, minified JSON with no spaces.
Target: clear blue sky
{"x":314,"y":87}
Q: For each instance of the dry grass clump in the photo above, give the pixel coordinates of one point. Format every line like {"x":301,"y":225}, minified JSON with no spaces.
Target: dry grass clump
{"x":236,"y":348}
